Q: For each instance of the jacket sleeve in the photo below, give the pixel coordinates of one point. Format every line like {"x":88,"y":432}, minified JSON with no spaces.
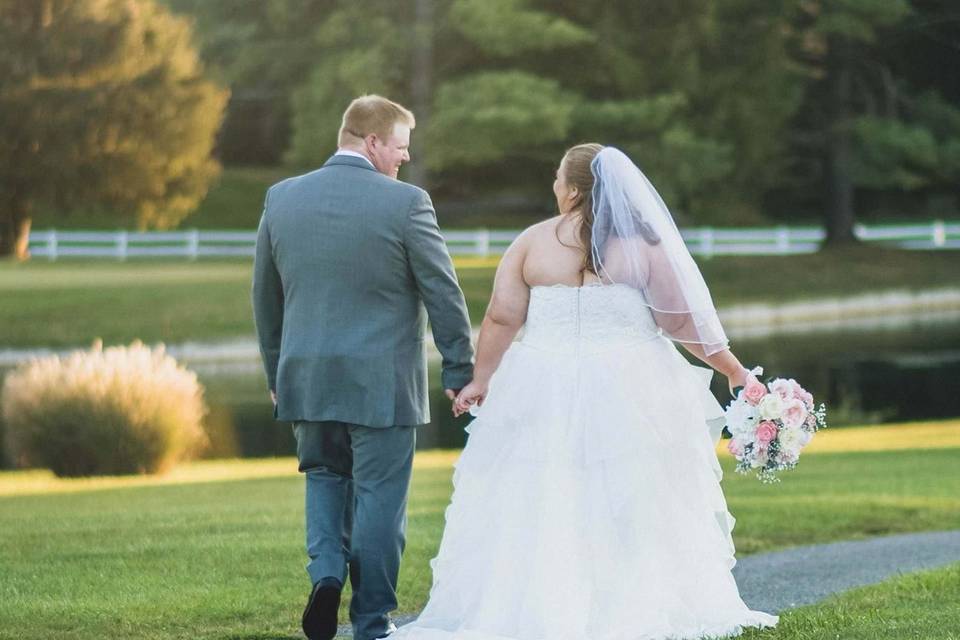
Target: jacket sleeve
{"x":436,"y":280}
{"x":267,"y":301}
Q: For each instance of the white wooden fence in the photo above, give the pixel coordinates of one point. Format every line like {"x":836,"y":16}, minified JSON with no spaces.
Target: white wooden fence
{"x":704,"y":241}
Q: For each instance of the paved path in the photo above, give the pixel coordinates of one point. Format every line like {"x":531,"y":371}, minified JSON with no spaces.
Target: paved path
{"x":780,"y":580}
{"x":792,"y":578}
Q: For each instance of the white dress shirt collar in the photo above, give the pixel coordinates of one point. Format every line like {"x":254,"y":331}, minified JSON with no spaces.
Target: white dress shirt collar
{"x":348,"y":152}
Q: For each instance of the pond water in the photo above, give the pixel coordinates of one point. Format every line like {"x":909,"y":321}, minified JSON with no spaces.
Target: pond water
{"x":863,"y":375}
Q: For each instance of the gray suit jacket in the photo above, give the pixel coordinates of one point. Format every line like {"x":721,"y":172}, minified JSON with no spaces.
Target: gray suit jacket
{"x":348,"y":264}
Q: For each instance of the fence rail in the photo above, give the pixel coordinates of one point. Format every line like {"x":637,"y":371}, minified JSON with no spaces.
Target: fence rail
{"x":703,"y":241}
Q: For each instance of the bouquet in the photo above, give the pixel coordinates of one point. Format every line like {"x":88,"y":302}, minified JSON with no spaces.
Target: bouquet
{"x":770,"y":424}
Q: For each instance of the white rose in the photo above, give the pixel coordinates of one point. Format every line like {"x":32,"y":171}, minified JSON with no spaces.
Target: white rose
{"x":771,"y":407}
{"x":760,"y":459}
{"x":742,"y":418}
{"x":787,"y":457}
{"x":794,"y":413}
{"x":790,"y":439}
{"x":783,"y":388}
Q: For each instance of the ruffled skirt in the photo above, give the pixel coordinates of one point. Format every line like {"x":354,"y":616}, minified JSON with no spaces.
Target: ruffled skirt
{"x":587,"y":505}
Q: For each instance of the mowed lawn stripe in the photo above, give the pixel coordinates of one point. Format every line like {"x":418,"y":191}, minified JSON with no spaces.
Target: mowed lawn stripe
{"x":944,"y":434}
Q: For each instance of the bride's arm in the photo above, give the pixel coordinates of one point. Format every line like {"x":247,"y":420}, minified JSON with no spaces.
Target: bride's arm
{"x":723,"y":362}
{"x":666,"y":292}
{"x":505,"y":315}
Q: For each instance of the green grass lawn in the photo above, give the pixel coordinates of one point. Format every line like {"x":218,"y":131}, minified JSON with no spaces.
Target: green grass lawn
{"x":214,"y":550}
{"x":912,"y":607}
{"x":70,"y":303}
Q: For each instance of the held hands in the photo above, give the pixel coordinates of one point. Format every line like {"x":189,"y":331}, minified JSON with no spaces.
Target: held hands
{"x":472,"y":394}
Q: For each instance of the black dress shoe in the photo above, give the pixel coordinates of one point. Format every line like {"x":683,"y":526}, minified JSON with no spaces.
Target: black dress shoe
{"x":320,"y":615}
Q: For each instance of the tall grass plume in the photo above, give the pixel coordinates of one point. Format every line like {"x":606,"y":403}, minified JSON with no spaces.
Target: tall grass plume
{"x":120,"y":410}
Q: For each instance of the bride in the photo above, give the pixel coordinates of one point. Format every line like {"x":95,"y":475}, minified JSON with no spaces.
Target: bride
{"x":587,"y":501}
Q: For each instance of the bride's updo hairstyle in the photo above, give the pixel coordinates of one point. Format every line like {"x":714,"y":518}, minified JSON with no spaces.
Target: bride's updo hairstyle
{"x":577,"y":167}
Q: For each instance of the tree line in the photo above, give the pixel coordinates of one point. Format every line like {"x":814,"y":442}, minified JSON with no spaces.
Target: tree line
{"x":740,"y":109}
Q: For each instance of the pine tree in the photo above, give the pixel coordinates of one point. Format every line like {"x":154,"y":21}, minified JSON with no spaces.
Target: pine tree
{"x":102,"y":103}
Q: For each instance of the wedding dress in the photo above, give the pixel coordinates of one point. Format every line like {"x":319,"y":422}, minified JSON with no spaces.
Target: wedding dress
{"x":587,"y":502}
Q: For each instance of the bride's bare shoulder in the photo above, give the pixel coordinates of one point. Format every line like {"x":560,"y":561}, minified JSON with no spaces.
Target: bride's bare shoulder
{"x":534,"y":238}
{"x":540,"y":230}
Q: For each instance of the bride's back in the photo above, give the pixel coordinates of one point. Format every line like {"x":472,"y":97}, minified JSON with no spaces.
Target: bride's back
{"x":554,"y":254}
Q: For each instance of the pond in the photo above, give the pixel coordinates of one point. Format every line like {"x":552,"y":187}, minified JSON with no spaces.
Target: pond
{"x":880,"y":374}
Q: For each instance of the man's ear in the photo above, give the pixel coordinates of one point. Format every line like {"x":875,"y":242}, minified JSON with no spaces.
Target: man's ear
{"x":371,"y":141}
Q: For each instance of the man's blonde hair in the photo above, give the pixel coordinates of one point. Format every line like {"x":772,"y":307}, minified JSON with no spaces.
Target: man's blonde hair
{"x":372,"y":114}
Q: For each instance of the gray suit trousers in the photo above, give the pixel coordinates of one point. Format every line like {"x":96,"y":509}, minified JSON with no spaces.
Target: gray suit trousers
{"x":356,"y":502}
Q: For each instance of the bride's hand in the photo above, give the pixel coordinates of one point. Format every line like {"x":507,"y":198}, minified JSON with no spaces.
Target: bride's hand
{"x":472,"y":394}
{"x":736,"y":380}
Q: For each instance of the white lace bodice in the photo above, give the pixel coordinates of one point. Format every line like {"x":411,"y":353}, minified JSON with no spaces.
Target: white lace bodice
{"x":564,"y":318}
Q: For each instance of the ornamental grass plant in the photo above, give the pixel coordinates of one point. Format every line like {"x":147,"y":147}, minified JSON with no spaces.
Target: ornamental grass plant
{"x":120,"y":410}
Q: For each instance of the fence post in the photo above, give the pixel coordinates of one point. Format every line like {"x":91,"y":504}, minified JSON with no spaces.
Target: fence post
{"x":483,"y":243}
{"x":52,"y":245}
{"x":193,"y":244}
{"x":706,"y":242}
{"x":783,"y":240}
{"x":122,"y":245}
{"x":939,"y":233}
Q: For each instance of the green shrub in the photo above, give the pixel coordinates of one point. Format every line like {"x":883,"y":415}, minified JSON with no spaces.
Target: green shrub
{"x":104,"y":411}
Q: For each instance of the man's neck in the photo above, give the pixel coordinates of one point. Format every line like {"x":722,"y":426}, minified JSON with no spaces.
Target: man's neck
{"x":360,"y":151}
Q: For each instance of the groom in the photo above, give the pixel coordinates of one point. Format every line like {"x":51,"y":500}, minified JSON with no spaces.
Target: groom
{"x":349,"y":263}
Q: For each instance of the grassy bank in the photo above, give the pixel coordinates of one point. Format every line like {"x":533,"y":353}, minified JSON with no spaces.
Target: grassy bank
{"x":214,"y":550}
{"x":70,"y":303}
{"x":909,"y":607}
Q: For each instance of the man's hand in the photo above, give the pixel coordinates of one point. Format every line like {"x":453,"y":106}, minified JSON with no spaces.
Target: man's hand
{"x":451,"y":393}
{"x":273,"y":397}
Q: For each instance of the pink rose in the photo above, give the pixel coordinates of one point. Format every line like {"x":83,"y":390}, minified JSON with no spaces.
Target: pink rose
{"x":754,"y":391}
{"x":802,"y":394}
{"x":783,"y":388}
{"x":795,"y":413}
{"x":766,"y":432}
